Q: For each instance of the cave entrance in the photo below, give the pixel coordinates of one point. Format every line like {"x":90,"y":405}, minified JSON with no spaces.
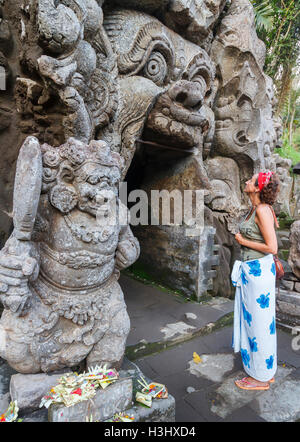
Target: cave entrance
{"x":152,"y":159}
{"x":168,"y":256}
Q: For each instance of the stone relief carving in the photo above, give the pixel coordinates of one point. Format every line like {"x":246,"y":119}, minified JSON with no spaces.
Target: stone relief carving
{"x":194,"y":19}
{"x":282,"y":167}
{"x":294,"y":255}
{"x":164,"y":82}
{"x":82,"y":68}
{"x":59,"y":286}
{"x":176,"y":88}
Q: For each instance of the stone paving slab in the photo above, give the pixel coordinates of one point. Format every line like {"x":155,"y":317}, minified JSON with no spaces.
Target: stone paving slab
{"x":228,"y":398}
{"x":4,"y":402}
{"x":160,"y":319}
{"x":281,"y":403}
{"x":5,"y":373}
{"x":208,"y":392}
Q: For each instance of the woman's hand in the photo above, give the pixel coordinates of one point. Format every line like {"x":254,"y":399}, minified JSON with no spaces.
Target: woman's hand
{"x":239,"y":238}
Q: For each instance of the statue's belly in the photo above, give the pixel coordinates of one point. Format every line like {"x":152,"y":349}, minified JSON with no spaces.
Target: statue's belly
{"x":76,"y":270}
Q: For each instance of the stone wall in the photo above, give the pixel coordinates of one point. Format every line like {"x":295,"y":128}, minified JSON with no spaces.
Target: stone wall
{"x":178,"y":84}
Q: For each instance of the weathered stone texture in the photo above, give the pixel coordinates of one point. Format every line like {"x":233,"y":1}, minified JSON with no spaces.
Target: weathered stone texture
{"x":116,"y":398}
{"x":177,"y":95}
{"x":294,"y":255}
{"x":28,"y":389}
{"x":59,"y":269}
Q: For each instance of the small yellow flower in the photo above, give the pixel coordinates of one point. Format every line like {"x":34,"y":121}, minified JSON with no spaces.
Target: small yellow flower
{"x":196,"y":358}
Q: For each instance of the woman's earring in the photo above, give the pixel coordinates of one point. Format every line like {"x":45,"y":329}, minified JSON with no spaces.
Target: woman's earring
{"x":63,"y":198}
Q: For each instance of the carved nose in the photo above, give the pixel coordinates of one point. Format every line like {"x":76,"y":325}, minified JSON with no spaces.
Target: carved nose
{"x":187,"y":93}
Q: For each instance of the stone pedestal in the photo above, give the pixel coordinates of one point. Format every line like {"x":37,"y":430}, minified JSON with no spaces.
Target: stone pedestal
{"x":290,"y":282}
{"x":28,"y":391}
{"x":116,"y":398}
{"x":288,"y":308}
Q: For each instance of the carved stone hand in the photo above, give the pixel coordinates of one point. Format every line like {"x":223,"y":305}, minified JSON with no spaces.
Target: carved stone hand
{"x":18,"y":266}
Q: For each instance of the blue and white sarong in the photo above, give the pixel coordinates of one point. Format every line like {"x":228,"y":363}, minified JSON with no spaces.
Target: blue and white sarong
{"x":254,"y":329}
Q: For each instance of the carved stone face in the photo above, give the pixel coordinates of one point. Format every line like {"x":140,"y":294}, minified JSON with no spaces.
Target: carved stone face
{"x":95,"y":185}
{"x":225,"y":194}
{"x":238,"y":120}
{"x":161,"y":73}
{"x":178,"y":117}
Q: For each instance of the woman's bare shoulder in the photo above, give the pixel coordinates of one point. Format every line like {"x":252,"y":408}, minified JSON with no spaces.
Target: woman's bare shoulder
{"x":264,"y":211}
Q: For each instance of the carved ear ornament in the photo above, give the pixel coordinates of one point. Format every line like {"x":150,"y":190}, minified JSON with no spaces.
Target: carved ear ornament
{"x":64,"y":198}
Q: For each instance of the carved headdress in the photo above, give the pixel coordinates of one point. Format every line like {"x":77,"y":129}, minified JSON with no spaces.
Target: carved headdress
{"x":72,"y":156}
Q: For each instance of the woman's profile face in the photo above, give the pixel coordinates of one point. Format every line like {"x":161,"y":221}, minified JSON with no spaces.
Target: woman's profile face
{"x":250,"y":185}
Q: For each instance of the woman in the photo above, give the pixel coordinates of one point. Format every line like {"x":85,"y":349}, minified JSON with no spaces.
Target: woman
{"x":254,"y":277}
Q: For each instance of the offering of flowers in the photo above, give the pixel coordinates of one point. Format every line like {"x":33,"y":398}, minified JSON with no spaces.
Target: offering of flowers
{"x":144,"y":399}
{"x":121,"y":417}
{"x":11,"y":413}
{"x":151,"y":391}
{"x":73,"y":388}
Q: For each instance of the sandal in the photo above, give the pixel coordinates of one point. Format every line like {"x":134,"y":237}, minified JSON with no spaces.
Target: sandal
{"x":250,"y":386}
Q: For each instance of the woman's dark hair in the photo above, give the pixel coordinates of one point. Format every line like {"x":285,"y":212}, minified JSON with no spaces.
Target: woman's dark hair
{"x":269,"y":193}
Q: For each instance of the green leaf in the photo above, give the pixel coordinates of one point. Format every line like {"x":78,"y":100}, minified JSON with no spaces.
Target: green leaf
{"x":264,"y":15}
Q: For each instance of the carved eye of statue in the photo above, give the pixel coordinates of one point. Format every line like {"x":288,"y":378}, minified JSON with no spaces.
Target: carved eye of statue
{"x":156,"y":68}
{"x":93,"y":179}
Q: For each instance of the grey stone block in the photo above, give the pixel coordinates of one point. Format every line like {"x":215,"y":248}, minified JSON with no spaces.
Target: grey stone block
{"x":5,"y":374}
{"x":162,"y":410}
{"x":290,"y":276}
{"x":116,"y":398}
{"x":288,"y":308}
{"x":4,"y":402}
{"x":35,"y":416}
{"x":289,"y":285}
{"x":28,"y":389}
{"x":280,"y":404}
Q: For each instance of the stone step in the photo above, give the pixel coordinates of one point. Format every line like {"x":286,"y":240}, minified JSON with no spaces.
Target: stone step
{"x":291,"y":277}
{"x":118,"y":397}
{"x":28,"y":389}
{"x":115,"y":398}
{"x":176,"y":333}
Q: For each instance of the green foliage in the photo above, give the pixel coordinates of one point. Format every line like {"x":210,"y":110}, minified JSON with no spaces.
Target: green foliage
{"x":264,"y":16}
{"x":285,"y":221}
{"x":291,"y":151}
{"x":297,"y":137}
{"x":278,"y":25}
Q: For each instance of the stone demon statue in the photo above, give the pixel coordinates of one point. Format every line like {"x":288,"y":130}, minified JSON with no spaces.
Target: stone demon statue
{"x":58,"y":276}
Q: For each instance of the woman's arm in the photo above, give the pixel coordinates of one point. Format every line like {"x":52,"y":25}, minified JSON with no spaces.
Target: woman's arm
{"x":265,"y":222}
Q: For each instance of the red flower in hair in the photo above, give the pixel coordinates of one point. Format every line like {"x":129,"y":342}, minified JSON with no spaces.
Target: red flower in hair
{"x":263,"y":179}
